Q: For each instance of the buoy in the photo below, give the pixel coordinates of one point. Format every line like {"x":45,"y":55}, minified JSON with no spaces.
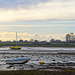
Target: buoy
{"x":42,"y":62}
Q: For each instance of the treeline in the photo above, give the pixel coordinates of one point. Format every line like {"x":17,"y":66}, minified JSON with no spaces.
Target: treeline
{"x":36,"y":43}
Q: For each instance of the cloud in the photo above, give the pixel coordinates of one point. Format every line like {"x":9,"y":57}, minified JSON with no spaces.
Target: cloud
{"x":19,"y":3}
{"x":42,"y":29}
{"x":10,"y":36}
{"x":51,"y":25}
{"x":54,"y":10}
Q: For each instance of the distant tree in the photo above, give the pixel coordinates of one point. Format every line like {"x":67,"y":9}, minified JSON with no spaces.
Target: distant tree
{"x":21,"y":40}
{"x":8,"y":41}
{"x":26,"y":41}
{"x":52,"y":41}
{"x":36,"y":41}
{"x":63,"y":41}
{"x":45,"y":41}
{"x":57,"y":41}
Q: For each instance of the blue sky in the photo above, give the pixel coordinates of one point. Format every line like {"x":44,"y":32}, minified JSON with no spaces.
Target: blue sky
{"x":36,"y":19}
{"x":17,"y":3}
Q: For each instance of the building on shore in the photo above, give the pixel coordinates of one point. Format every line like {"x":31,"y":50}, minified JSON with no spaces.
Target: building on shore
{"x":70,"y":37}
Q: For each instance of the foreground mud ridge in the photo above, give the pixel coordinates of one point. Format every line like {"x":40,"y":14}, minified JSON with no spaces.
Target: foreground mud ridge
{"x":34,"y":72}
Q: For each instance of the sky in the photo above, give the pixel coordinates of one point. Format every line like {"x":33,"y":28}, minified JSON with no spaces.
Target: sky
{"x":36,"y":19}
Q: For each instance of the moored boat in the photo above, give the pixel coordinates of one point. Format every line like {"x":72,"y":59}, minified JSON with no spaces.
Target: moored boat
{"x":15,"y":47}
{"x":18,"y":60}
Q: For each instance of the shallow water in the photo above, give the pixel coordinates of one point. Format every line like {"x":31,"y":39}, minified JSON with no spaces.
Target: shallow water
{"x":37,"y":54}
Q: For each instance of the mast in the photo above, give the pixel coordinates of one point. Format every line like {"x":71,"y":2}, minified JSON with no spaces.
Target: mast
{"x":16,"y":38}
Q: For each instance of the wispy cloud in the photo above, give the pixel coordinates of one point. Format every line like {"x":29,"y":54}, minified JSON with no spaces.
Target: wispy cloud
{"x":53,"y":9}
{"x":51,"y":25}
{"x":19,"y":3}
{"x":10,"y":36}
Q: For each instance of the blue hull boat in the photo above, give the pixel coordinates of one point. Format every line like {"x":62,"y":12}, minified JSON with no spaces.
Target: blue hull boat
{"x":18,"y":60}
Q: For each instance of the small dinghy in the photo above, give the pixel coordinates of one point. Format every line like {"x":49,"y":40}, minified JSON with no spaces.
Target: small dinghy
{"x":15,"y":47}
{"x":18,"y":60}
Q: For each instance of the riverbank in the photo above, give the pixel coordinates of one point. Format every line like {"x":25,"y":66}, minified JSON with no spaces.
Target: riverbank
{"x":38,"y":44}
{"x":35,"y":72}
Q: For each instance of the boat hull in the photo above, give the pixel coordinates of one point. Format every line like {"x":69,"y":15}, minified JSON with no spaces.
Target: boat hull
{"x":18,"y":61}
{"x":15,"y":47}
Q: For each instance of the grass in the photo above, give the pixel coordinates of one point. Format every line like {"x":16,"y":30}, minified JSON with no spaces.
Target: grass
{"x":38,"y":44}
{"x":31,"y":72}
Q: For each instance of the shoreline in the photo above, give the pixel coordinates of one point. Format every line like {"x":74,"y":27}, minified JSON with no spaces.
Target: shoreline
{"x":45,"y":46}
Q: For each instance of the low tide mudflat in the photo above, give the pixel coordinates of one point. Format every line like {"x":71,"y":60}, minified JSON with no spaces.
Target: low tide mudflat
{"x":55,"y":58}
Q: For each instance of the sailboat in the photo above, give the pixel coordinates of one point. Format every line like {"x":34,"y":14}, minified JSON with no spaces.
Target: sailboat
{"x":15,"y":47}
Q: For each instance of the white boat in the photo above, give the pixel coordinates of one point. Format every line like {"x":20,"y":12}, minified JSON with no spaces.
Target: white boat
{"x":18,"y":60}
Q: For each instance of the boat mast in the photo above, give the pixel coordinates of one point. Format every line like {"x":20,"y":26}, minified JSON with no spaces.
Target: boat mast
{"x":16,"y":38}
